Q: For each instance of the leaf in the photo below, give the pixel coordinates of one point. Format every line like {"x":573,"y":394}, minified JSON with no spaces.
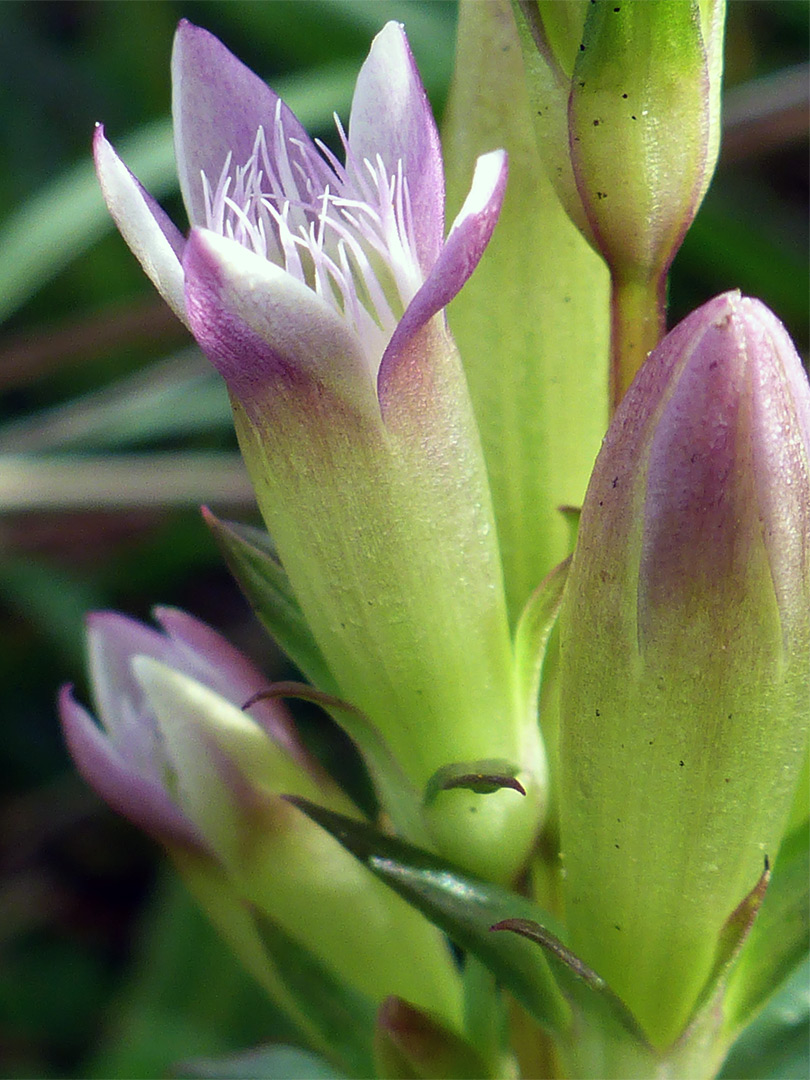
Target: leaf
{"x":263,"y":1063}
{"x":342,"y":1017}
{"x":482,"y":777}
{"x":584,"y":988}
{"x":252,"y":560}
{"x":533,"y":631}
{"x":393,"y":789}
{"x":463,"y":907}
{"x":776,"y":1044}
{"x":780,"y":936}
{"x":177,"y":396}
{"x":731,"y":940}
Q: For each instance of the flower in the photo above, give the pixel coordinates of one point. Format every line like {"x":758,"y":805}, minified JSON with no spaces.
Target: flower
{"x":317,"y":289}
{"x":685,"y":655}
{"x":350,"y":259}
{"x":627,"y":114}
{"x":176,"y":754}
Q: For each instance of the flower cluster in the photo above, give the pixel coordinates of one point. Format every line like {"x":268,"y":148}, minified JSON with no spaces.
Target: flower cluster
{"x":630,"y":829}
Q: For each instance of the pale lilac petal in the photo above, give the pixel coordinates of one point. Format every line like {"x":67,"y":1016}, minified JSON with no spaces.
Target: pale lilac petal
{"x":391,"y":116}
{"x":218,"y":105}
{"x":230,"y":674}
{"x":112,"y":641}
{"x":728,"y":459}
{"x":143,"y":801}
{"x":154,"y":240}
{"x":259,"y":326}
{"x":781,"y":449}
{"x":460,"y":255}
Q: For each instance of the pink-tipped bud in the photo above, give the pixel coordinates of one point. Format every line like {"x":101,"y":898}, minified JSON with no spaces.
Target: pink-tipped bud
{"x":685,"y":645}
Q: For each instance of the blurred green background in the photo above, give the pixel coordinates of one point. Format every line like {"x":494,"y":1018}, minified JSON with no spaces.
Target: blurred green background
{"x":113,"y":430}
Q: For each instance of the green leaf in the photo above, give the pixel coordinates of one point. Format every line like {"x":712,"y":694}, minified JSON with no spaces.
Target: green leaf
{"x":465,"y":908}
{"x":393,"y":789}
{"x":731,"y":940}
{"x":263,"y":1063}
{"x":601,"y":1008}
{"x":541,"y":322}
{"x":342,"y":1017}
{"x":178,"y":396}
{"x":534,"y":630}
{"x":776,"y":1044}
{"x":252,"y":560}
{"x":780,"y":936}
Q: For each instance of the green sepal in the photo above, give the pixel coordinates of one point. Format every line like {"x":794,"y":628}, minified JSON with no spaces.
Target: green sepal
{"x":393,"y":789}
{"x":482,"y":777}
{"x":411,"y":1044}
{"x":252,"y":560}
{"x":780,"y":937}
{"x":263,"y":1063}
{"x":342,"y":1017}
{"x":736,"y":929}
{"x":587,"y":991}
{"x":465,"y":908}
{"x":486,"y":1018}
{"x":533,"y":632}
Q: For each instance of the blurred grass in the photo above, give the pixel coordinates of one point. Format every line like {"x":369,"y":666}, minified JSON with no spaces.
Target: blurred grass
{"x":105,"y":967}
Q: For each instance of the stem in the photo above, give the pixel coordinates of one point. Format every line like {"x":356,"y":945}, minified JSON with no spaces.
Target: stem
{"x":637,"y":325}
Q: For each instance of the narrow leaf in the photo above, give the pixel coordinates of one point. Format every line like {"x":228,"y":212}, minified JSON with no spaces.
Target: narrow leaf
{"x":732,"y":937}
{"x":343,"y":1018}
{"x":533,"y":631}
{"x":584,"y":988}
{"x":463,"y":907}
{"x":393,"y":789}
{"x":252,"y":560}
{"x":780,"y":936}
{"x":411,"y":1044}
{"x":776,"y":1044}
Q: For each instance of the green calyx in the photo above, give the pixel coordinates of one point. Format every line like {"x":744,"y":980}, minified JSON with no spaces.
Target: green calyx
{"x":384,"y":528}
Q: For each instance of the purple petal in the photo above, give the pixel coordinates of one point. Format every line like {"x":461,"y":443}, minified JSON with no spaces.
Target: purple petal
{"x":154,"y":240}
{"x":728,"y":461}
{"x":230,"y":674}
{"x":112,"y":641}
{"x":144,"y":802}
{"x":391,"y":116}
{"x":462,"y":250}
{"x":259,"y":326}
{"x":781,"y":452}
{"x":218,"y":105}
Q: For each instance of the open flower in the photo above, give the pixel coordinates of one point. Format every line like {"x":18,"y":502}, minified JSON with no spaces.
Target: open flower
{"x":317,"y":289}
{"x":176,"y":754}
{"x":335,"y":266}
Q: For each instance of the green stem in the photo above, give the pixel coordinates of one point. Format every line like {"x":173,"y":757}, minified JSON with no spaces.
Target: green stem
{"x":637,"y":325}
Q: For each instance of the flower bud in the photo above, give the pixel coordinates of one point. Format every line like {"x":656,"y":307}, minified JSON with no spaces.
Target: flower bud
{"x":178,"y":756}
{"x":627,"y":113}
{"x":685,"y":655}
